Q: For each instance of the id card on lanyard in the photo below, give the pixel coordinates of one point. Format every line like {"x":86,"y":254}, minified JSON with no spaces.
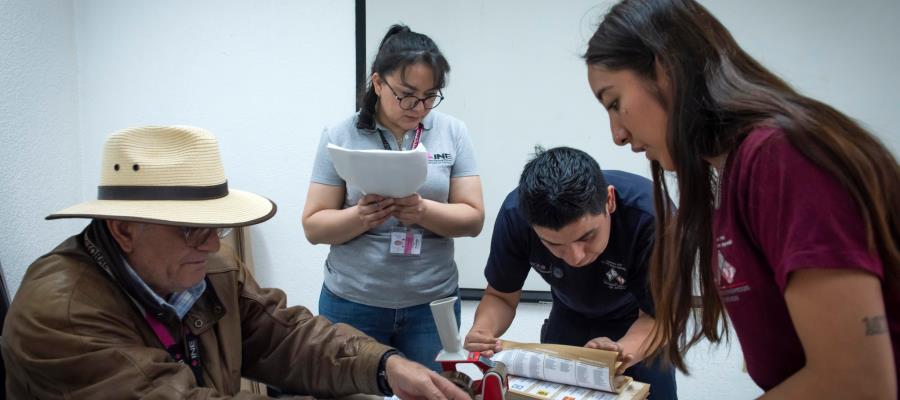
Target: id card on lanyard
{"x":405,"y":241}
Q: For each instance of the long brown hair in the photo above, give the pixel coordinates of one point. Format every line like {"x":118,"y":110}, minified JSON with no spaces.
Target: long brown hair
{"x":719,"y":94}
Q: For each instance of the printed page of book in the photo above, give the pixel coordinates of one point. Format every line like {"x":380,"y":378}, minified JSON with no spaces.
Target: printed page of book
{"x":551,"y":368}
{"x":384,"y":172}
{"x":572,"y":365}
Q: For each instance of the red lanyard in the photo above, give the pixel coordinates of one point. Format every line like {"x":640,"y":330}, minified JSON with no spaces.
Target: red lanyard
{"x":413,"y":145}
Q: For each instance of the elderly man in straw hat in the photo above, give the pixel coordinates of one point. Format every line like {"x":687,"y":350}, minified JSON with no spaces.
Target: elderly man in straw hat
{"x":144,"y":304}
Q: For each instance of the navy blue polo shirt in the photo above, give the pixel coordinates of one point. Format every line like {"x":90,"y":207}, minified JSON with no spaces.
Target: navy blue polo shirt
{"x":613,"y":286}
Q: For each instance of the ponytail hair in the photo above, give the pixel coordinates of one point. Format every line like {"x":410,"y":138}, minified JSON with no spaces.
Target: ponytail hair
{"x":400,"y":48}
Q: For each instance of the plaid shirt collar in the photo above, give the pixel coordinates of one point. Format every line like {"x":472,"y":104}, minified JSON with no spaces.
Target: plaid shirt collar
{"x":180,"y":302}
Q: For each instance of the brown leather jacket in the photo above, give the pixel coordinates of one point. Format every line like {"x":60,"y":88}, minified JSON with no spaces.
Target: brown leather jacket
{"x":71,"y":332}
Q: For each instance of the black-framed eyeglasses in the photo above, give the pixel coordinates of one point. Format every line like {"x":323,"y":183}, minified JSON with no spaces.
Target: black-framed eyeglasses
{"x":194,"y":237}
{"x":409,"y":101}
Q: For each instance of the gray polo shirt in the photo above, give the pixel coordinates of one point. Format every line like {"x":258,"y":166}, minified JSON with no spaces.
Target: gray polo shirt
{"x":362,"y":270}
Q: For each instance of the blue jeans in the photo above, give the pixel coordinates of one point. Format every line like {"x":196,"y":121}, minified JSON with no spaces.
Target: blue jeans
{"x":410,"y":330}
{"x":568,"y":327}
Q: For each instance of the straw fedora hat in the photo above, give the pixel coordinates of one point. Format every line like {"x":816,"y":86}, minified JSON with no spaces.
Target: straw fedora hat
{"x":170,"y":175}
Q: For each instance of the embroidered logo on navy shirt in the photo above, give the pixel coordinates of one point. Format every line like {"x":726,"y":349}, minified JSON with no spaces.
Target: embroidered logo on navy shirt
{"x":614,"y":277}
{"x":544,"y":269}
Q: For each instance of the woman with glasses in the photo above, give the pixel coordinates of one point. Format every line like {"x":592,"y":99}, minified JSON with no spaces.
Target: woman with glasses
{"x":380,"y":288}
{"x":788,"y":213}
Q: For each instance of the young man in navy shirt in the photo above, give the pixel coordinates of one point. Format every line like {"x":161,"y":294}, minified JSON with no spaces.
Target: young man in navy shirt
{"x":589,"y":234}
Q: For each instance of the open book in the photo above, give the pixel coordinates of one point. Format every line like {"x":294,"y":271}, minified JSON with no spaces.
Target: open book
{"x":560,"y":372}
{"x":384,"y":172}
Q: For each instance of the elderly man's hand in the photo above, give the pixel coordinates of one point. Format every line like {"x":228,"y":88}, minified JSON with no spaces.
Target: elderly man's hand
{"x":410,"y":380}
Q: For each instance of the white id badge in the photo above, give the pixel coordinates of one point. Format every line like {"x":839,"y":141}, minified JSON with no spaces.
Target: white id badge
{"x":406,"y":241}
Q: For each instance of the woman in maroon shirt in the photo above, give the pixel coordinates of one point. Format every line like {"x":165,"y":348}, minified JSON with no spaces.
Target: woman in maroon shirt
{"x":788,"y":212}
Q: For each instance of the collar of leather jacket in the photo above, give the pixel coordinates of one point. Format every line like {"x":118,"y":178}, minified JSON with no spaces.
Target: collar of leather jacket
{"x":105,"y":252}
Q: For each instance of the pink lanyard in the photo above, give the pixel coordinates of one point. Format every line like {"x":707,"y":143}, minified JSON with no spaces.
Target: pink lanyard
{"x":160,"y":330}
{"x":193,"y":347}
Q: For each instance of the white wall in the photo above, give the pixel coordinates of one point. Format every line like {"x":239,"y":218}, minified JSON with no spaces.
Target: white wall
{"x":264,"y":76}
{"x":517,"y":78}
{"x":39,"y":142}
{"x":841,"y":52}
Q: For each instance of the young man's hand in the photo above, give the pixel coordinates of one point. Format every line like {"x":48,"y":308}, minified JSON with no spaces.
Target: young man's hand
{"x":605,"y":343}
{"x":483,"y":342}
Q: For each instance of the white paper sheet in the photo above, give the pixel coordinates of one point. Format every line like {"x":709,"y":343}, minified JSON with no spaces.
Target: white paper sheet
{"x":384,"y":172}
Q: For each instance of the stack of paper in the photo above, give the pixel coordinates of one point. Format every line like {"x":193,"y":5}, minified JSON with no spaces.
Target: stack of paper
{"x":384,"y":172}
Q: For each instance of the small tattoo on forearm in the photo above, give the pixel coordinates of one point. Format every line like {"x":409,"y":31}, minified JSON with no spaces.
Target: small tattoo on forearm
{"x":876,"y":325}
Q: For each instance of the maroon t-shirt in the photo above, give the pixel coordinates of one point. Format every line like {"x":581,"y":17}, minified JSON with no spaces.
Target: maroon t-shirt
{"x":778,"y":213}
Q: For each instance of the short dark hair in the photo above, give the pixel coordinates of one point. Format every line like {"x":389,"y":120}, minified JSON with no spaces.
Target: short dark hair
{"x":559,"y":186}
{"x":400,"y":48}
